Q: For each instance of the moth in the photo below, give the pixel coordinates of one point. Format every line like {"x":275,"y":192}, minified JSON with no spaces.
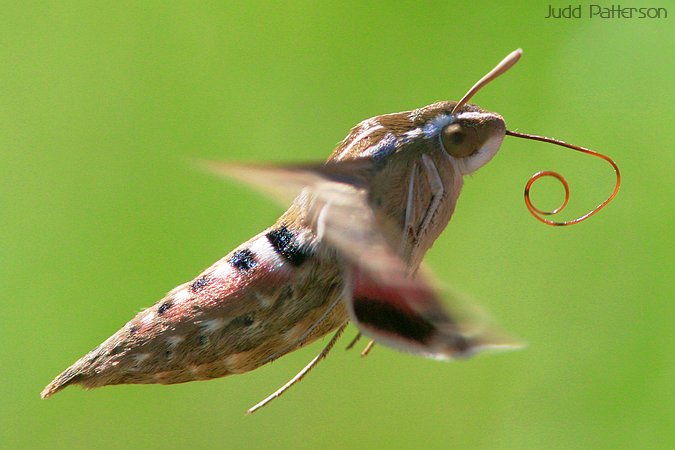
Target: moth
{"x":348,"y":249}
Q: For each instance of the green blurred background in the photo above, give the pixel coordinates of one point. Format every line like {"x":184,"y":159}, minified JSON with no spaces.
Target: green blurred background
{"x":103,"y":106}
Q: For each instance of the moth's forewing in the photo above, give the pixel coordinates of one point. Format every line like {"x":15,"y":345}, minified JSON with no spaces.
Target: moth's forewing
{"x":384,"y":301}
{"x":284,"y":182}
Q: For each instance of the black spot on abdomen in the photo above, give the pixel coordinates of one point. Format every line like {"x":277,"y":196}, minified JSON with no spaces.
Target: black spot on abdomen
{"x":164,"y":307}
{"x":248,"y":320}
{"x":285,"y":242}
{"x":116,"y":350}
{"x":244,"y":259}
{"x":199,"y":284}
{"x":388,"y":318}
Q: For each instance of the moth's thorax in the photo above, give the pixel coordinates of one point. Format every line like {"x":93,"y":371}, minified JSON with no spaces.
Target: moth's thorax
{"x":420,"y":203}
{"x":420,"y":157}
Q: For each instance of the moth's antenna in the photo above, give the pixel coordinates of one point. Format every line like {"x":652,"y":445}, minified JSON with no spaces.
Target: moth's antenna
{"x":499,"y":69}
{"x":538,"y":213}
{"x":300,"y":375}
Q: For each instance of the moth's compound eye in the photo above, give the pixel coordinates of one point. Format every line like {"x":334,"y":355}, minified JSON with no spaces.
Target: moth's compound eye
{"x":457,"y":142}
{"x":456,"y":137}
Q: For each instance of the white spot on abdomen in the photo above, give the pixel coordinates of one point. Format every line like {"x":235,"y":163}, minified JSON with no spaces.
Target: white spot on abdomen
{"x":182,"y":295}
{"x":174,"y":340}
{"x":212,"y":325}
{"x":140,"y":357}
{"x":239,"y":362}
{"x":266,"y":254}
{"x":223,"y":269}
{"x":264,"y":300}
{"x":148,"y":318}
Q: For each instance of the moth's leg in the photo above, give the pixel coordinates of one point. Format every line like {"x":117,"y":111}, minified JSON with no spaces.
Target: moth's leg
{"x":368,"y":348}
{"x":303,"y":372}
{"x":321,"y":222}
{"x":409,"y":209}
{"x":437,"y":191}
{"x":354,"y":341}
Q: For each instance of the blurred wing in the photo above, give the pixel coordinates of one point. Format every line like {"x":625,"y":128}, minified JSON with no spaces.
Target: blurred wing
{"x":384,"y":301}
{"x":285,"y":182}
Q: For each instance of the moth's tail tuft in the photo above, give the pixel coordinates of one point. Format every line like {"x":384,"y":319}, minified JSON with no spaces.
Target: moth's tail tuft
{"x":68,"y":377}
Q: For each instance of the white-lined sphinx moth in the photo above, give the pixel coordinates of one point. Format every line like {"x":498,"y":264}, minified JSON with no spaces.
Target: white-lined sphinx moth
{"x":348,"y":248}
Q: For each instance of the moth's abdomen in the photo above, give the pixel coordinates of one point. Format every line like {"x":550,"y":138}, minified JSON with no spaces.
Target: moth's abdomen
{"x":247,"y":309}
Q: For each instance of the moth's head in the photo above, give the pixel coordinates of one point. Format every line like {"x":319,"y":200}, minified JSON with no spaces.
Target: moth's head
{"x":472,"y":137}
